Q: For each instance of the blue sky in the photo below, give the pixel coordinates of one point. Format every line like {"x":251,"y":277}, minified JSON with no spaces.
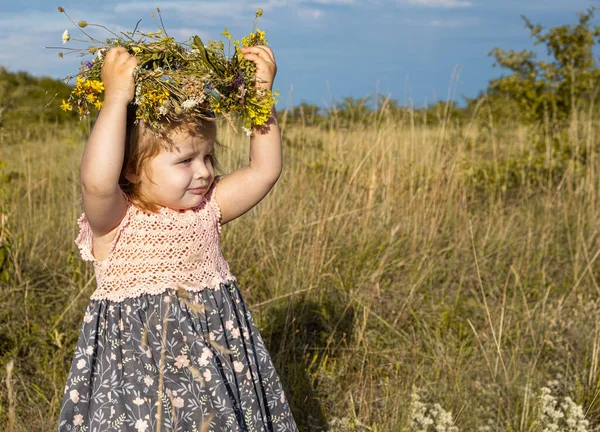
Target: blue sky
{"x":325,"y":49}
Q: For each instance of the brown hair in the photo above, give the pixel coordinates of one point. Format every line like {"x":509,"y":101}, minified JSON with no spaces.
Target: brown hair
{"x":141,"y":146}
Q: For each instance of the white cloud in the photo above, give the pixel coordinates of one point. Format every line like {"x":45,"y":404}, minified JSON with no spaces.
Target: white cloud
{"x":446,"y":23}
{"x":310,"y":14}
{"x":194,"y":8}
{"x":327,"y":2}
{"x":33,"y":58}
{"x":234,"y":8}
{"x":184,"y":33}
{"x":442,"y":3}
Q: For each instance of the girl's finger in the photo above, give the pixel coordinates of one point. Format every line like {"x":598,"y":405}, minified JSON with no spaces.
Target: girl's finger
{"x":256,"y":58}
{"x":113,"y":53}
{"x":134,"y":60}
{"x":269,"y":51}
{"x":261,"y":52}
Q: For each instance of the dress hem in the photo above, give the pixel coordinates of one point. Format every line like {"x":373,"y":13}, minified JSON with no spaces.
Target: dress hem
{"x":96,"y":296}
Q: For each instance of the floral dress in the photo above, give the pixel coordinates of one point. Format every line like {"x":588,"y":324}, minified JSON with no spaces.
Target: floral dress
{"x":167,"y":342}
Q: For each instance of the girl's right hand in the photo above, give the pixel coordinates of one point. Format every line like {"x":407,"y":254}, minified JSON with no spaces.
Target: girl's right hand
{"x":117,"y":75}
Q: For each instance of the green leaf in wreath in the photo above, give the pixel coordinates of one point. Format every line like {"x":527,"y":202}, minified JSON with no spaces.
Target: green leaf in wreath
{"x":200,"y":47}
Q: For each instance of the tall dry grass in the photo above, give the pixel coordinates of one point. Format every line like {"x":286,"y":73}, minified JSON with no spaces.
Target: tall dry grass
{"x":372,"y":269}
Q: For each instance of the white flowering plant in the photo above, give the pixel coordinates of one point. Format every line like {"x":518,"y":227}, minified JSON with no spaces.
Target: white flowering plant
{"x":556,"y":414}
{"x":426,"y":417}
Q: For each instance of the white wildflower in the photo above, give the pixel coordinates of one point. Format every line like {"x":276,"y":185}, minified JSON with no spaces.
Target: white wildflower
{"x":425,"y":415}
{"x":163,"y":110}
{"x":565,"y":416}
{"x":189,"y":104}
{"x":66,"y":37}
{"x":247,"y":131}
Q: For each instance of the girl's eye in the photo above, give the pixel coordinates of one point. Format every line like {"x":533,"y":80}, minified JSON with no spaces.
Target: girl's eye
{"x":188,"y":160}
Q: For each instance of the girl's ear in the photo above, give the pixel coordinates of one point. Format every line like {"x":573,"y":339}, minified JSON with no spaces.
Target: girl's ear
{"x":132,"y":178}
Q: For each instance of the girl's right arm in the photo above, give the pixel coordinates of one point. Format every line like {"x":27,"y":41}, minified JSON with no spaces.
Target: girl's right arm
{"x":103,"y":201}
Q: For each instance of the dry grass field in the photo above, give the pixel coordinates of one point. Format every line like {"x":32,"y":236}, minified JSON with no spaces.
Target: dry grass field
{"x":395,"y":288}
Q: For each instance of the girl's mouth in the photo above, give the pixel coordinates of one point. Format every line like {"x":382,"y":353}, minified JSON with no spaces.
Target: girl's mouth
{"x":198,"y":191}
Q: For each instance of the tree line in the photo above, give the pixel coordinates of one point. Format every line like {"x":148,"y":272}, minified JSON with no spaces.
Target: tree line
{"x":532,"y":90}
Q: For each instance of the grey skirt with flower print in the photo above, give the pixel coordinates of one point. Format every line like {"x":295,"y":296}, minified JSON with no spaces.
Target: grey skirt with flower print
{"x":177,"y":361}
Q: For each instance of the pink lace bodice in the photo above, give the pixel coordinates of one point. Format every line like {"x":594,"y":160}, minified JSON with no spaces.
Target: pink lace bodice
{"x":153,"y":252}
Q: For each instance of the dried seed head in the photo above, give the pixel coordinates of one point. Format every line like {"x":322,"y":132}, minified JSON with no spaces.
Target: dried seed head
{"x":61,"y":9}
{"x":206,"y":423}
{"x":144,"y":336}
{"x":220,"y":348}
{"x":195,"y":308}
{"x":196,"y":374}
{"x":183,"y":293}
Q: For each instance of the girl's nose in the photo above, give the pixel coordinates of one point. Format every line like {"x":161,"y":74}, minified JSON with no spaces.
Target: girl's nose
{"x":202,"y":171}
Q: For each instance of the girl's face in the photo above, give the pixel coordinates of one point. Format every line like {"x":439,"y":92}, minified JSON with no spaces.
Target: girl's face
{"x":179,"y":177}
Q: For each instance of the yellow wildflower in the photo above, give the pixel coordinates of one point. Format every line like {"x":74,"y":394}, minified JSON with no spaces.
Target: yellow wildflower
{"x":65,"y":106}
{"x":226,"y":34}
{"x":253,"y":39}
{"x":96,"y":85}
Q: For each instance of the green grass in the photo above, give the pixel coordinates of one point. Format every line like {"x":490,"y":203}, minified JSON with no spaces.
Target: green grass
{"x":375,"y":266}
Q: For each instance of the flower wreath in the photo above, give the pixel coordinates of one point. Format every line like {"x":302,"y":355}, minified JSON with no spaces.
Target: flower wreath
{"x":177,"y":80}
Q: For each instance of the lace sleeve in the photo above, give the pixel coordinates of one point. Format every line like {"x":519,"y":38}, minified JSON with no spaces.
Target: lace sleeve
{"x":84,"y":240}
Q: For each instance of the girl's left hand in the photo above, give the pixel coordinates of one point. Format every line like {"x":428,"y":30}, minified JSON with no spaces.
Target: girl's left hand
{"x":266,"y":68}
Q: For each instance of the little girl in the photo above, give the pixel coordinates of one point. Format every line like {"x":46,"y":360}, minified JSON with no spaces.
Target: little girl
{"x":167,"y":342}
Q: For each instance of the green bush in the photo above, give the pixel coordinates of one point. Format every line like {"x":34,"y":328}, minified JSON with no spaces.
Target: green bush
{"x":543,"y":165}
{"x":550,"y":91}
{"x":28,"y":104}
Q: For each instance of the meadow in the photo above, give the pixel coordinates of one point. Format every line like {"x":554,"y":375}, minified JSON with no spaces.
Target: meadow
{"x":406,"y":275}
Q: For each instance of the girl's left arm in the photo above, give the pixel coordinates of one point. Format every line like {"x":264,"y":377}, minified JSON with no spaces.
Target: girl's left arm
{"x":241,"y":190}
